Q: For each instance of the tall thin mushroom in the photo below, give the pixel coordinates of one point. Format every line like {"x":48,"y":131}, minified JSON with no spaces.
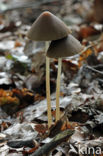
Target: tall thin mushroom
{"x":59,"y":49}
{"x":48,"y":27}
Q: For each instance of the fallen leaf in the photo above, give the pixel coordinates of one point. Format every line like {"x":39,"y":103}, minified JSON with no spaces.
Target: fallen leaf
{"x":41,"y":128}
{"x":86,"y":31}
{"x":38,"y":97}
{"x":84,"y":56}
{"x":17,"y":44}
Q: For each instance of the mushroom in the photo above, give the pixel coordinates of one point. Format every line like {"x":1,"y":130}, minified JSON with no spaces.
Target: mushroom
{"x":48,"y":27}
{"x":59,"y":49}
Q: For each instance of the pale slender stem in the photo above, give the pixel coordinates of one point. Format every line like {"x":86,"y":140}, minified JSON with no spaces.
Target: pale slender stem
{"x":58,"y":89}
{"x":48,"y":89}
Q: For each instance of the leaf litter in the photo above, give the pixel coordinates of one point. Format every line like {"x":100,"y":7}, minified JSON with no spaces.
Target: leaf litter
{"x":23,"y":107}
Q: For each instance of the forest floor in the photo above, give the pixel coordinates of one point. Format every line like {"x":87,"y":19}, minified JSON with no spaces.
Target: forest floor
{"x":23,"y":105}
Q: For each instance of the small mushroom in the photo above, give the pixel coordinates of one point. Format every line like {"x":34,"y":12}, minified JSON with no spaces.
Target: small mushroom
{"x":59,"y":49}
{"x":48,"y":27}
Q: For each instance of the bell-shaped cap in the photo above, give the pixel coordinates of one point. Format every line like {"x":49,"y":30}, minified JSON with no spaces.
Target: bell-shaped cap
{"x":65,"y":47}
{"x":47,"y":27}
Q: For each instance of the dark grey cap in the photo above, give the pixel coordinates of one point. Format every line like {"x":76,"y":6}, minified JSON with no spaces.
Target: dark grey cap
{"x":65,"y":47}
{"x":48,"y":27}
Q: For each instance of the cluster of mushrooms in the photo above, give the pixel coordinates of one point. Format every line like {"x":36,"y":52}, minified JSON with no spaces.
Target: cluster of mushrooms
{"x":48,"y":27}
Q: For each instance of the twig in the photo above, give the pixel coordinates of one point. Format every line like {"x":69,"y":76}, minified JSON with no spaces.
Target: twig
{"x":94,"y":70}
{"x":85,"y":49}
{"x":90,"y":46}
{"x":47,"y":148}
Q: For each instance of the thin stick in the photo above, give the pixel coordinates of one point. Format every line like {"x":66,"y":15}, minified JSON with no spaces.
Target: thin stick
{"x":48,"y":90}
{"x":58,"y":89}
{"x":96,"y":42}
{"x":90,"y":46}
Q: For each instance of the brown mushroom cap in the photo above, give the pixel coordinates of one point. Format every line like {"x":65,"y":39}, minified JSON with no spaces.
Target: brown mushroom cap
{"x":47,"y":27}
{"x":65,"y":47}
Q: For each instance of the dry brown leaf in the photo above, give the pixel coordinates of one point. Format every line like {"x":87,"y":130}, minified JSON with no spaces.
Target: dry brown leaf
{"x":17,"y":44}
{"x":32,"y":150}
{"x":39,"y":97}
{"x":69,"y":125}
{"x":70,"y":65}
{"x":4,"y":125}
{"x":6,"y":97}
{"x":15,"y":96}
{"x":86,"y":31}
{"x":84,"y":56}
{"x":36,"y":146}
{"x":41,"y":128}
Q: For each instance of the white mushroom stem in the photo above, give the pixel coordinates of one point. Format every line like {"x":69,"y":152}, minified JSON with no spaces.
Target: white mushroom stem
{"x":58,"y":89}
{"x":48,"y":89}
